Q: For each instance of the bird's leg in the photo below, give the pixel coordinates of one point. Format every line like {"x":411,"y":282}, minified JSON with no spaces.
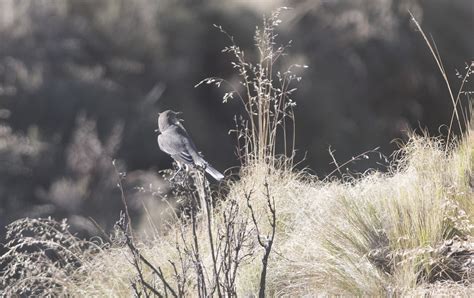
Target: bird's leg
{"x":178,"y":164}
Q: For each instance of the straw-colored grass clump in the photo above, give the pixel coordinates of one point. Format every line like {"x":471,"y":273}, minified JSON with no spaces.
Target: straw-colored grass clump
{"x":408,"y":231}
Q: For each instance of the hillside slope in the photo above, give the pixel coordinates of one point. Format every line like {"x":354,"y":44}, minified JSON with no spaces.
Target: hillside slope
{"x":408,"y":232}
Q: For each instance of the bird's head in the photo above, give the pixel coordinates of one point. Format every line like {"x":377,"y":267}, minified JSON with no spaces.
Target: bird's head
{"x":168,"y":118}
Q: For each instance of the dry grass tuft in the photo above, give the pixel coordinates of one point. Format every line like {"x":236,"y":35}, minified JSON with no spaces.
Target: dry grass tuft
{"x":407,"y":232}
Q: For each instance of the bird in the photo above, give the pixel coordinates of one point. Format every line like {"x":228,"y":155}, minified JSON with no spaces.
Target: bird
{"x":176,"y":142}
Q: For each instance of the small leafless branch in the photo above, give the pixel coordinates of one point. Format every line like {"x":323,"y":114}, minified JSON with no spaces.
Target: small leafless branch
{"x":363,"y":155}
{"x":138,"y":258}
{"x":120,"y":176}
{"x":136,"y":291}
{"x":265,"y":242}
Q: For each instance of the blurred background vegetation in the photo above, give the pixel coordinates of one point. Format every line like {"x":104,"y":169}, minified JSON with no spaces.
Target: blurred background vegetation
{"x":82,"y":81}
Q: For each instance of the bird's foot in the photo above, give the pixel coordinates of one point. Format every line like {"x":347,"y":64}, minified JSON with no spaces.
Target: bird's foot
{"x":172,"y":179}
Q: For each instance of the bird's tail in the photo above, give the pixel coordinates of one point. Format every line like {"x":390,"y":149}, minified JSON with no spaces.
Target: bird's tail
{"x":214,"y":173}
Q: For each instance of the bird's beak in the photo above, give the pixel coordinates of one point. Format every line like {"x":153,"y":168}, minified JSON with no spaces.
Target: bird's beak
{"x":178,"y":114}
{"x":157,"y":130}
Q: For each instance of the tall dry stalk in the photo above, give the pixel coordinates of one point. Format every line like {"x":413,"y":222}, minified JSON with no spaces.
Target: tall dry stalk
{"x":266,"y":96}
{"x":455,"y":100}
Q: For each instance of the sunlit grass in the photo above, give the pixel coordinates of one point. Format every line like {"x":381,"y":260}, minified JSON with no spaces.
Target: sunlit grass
{"x":382,"y":234}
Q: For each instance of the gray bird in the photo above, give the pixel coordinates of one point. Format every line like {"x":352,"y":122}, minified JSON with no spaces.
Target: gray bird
{"x":175,"y":141}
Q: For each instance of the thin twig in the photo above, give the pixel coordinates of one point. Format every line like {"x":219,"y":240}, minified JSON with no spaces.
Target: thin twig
{"x":122,"y":196}
{"x":439,"y":63}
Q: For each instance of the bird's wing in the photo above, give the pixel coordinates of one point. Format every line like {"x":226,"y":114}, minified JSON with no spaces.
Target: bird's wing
{"x":176,"y":144}
{"x":190,"y":147}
